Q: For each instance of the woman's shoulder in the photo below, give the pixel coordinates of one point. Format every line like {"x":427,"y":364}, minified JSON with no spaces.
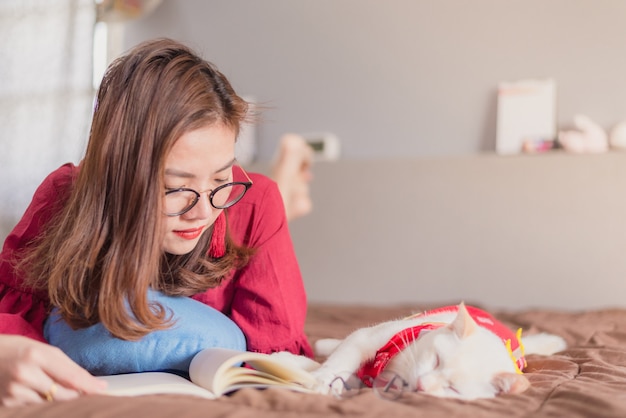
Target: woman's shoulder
{"x":261,"y":209}
{"x":261,"y":182}
{"x":49,"y":197}
{"x":63,"y":175}
{"x":57,"y":185}
{"x":264,"y":192}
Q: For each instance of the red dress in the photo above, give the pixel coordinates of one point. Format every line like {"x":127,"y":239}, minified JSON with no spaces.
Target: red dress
{"x":266,"y":298}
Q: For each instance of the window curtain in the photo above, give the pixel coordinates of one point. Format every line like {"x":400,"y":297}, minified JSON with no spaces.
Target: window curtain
{"x":46,"y":94}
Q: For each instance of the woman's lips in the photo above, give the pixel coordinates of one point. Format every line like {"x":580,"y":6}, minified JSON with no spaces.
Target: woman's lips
{"x":189,"y":233}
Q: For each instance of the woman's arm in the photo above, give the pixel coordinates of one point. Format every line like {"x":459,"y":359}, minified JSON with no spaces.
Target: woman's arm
{"x":23,"y":309}
{"x":32,"y":371}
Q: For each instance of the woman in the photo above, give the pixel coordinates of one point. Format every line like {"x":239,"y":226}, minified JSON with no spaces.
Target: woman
{"x":158,"y":202}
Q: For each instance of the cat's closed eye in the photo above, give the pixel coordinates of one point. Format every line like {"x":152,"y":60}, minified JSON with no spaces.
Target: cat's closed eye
{"x":453,"y":389}
{"x":437,"y":362}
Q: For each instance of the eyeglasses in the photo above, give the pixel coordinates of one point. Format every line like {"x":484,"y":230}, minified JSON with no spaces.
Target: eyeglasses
{"x":387,"y":385}
{"x":182,"y":200}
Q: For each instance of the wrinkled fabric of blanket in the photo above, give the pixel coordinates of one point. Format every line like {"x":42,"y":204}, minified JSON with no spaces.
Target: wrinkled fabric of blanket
{"x":588,"y":379}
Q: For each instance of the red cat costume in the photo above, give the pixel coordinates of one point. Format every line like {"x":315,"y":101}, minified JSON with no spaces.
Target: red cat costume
{"x":370,"y":370}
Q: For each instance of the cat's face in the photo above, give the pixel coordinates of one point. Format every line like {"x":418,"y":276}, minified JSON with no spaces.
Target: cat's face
{"x":459,"y":360}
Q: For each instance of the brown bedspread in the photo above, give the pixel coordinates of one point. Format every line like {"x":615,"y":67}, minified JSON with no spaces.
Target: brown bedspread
{"x":587,"y":380}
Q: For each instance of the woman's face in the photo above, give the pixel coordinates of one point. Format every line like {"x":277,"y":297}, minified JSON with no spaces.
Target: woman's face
{"x":202,"y":160}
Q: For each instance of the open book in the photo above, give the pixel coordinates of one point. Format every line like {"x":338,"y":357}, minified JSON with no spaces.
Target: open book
{"x":214,"y":372}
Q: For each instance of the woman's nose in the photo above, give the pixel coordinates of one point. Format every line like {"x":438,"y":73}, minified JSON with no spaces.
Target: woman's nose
{"x":202,"y":209}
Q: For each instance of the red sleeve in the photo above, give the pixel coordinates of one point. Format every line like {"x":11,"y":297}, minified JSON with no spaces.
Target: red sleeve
{"x":23,"y":310}
{"x":266,"y":298}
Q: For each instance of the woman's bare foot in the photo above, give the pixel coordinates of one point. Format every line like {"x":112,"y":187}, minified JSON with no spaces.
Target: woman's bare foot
{"x":292,"y":172}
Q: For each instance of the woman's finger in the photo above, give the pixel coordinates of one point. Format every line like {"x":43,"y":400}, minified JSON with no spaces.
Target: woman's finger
{"x":32,"y":372}
{"x":70,"y":376}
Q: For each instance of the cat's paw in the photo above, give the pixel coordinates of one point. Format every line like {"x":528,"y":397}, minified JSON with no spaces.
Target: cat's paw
{"x":325,"y":346}
{"x":543,"y":344}
{"x":329,"y":382}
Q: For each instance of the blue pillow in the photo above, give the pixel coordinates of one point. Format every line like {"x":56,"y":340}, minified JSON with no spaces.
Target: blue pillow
{"x":197,"y":326}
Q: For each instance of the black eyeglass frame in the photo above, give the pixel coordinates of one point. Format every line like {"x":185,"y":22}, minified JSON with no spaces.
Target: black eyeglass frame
{"x":246,"y":184}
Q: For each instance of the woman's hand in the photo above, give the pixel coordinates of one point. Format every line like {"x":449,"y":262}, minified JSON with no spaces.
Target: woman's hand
{"x":32,"y":372}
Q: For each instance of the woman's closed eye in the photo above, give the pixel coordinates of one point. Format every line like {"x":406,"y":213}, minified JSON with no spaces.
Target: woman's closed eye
{"x":222,"y":181}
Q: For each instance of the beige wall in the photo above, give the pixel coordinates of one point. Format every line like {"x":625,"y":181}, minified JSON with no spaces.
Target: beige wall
{"x":398,"y":78}
{"x":416,"y":210}
{"x":547,"y":230}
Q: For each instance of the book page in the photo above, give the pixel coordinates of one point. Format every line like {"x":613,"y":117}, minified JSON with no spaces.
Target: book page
{"x":242,"y":377}
{"x":136,"y":384}
{"x":219,"y":371}
{"x":280,"y":371}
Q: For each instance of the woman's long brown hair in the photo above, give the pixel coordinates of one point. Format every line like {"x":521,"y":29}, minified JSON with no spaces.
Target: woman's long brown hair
{"x":102,"y":252}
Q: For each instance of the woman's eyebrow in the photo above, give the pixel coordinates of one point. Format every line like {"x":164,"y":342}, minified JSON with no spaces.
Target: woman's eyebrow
{"x":178,"y":173}
{"x":228,"y":165}
{"x":184,"y":174}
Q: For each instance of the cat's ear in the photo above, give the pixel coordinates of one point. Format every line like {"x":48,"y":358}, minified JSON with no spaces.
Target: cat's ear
{"x":463,"y":325}
{"x":507,"y":382}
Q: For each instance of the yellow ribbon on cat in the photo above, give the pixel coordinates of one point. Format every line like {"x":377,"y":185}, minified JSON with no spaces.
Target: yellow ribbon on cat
{"x":518,"y":335}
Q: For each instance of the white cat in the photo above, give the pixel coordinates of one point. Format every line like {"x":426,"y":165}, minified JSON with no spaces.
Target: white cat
{"x":458,"y":351}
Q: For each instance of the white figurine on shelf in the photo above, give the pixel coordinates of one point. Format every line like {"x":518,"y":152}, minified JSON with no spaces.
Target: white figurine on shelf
{"x":617,"y":137}
{"x":588,"y":137}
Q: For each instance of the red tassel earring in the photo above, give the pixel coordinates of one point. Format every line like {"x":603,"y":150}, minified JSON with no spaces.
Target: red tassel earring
{"x":217,"y":247}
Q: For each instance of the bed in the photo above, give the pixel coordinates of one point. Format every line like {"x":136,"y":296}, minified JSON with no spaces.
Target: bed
{"x":586,"y":380}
